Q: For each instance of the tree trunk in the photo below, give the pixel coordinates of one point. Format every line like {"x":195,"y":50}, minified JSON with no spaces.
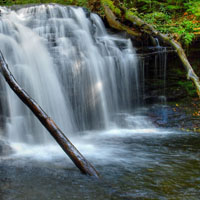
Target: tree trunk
{"x":84,"y":166}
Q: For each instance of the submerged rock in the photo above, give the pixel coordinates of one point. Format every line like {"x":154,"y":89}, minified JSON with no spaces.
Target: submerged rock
{"x":5,"y":148}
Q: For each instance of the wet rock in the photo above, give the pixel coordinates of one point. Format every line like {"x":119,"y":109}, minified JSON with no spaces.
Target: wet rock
{"x":183,"y":116}
{"x":151,"y":100}
{"x":159,"y":114}
{"x":5,"y":148}
{"x":87,"y":12}
{"x":175,"y":94}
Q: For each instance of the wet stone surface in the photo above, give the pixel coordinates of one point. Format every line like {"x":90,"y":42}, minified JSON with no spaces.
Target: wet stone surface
{"x":184,"y":117}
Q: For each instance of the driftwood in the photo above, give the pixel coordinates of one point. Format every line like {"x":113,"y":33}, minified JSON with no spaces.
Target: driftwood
{"x":78,"y":159}
{"x":143,"y":27}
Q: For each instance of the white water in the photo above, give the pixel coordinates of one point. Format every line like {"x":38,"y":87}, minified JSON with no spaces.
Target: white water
{"x":83,"y":77}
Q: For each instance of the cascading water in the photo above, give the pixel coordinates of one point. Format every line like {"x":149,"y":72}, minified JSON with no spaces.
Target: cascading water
{"x":154,"y":68}
{"x":87,"y":81}
{"x":65,"y":59}
{"x":161,"y":63}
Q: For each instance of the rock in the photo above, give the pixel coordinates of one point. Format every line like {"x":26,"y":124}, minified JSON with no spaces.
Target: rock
{"x":175,"y":93}
{"x":149,"y":100}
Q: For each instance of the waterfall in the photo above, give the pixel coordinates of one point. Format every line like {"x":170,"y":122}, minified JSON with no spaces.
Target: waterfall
{"x":161,"y":63}
{"x":66,"y":60}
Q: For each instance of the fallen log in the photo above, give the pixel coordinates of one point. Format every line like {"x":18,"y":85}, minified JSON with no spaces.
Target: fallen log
{"x":143,"y":27}
{"x":116,"y":24}
{"x":78,"y":159}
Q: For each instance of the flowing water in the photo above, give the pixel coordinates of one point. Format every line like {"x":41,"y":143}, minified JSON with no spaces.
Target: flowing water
{"x":88,"y":81}
{"x":64,"y":58}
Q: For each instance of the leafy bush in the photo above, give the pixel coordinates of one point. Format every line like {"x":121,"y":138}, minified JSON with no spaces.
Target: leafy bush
{"x":156,"y":17}
{"x":193,"y":7}
{"x":178,"y":18}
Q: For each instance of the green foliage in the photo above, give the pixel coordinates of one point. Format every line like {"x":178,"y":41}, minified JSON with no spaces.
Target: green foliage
{"x":171,"y":6}
{"x":193,"y":7}
{"x":173,"y":17}
{"x":187,"y":29}
{"x":188,"y":86}
{"x":111,"y":5}
{"x":174,"y":7}
{"x":131,"y":12}
{"x":184,"y":29}
{"x":156,"y":17}
{"x":178,"y":18}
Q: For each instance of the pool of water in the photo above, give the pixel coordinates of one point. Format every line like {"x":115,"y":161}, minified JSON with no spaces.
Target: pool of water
{"x":134,"y":164}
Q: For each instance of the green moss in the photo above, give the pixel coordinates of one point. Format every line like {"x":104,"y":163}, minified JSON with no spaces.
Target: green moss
{"x":111,"y":5}
{"x":193,"y":7}
{"x":130,"y":12}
